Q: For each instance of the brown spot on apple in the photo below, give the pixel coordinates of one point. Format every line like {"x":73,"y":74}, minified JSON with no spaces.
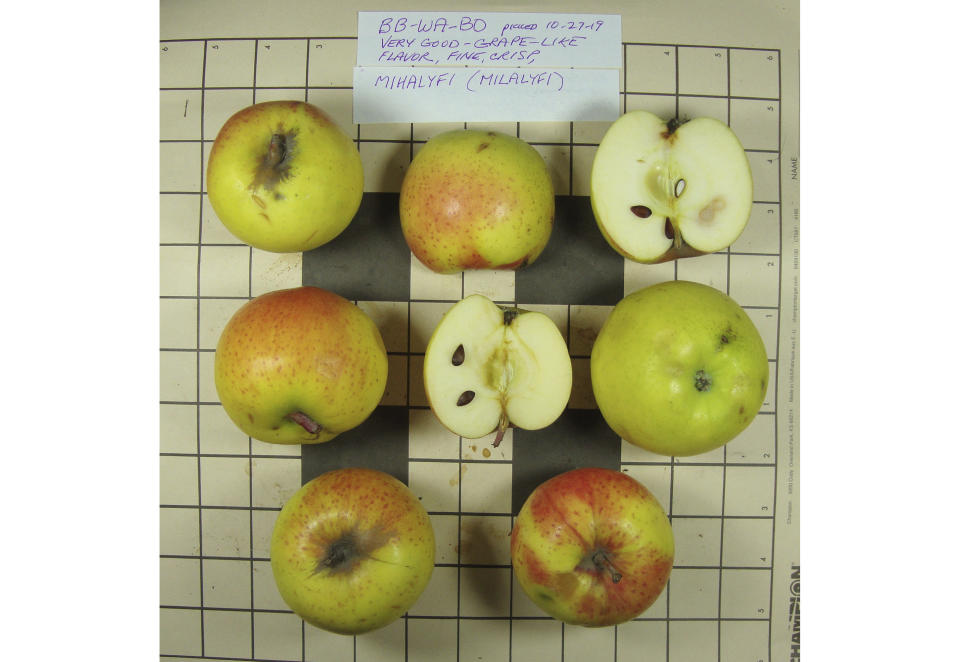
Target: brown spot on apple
{"x":482,"y":146}
{"x":566,"y":585}
{"x":710,"y":210}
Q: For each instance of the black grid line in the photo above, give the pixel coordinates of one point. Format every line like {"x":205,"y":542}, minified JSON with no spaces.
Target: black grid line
{"x":203,"y":74}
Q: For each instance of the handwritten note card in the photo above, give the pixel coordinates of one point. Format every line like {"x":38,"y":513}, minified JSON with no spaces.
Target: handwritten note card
{"x":446,"y":67}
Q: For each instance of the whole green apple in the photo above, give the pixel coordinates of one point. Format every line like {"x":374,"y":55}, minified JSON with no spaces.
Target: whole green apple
{"x":352,"y":550}
{"x":283,"y":177}
{"x":592,"y":547}
{"x":476,"y":200}
{"x":299,"y":366}
{"x":678,"y":368}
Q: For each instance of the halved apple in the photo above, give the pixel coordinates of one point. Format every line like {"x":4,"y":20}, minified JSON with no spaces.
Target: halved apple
{"x":488,"y":367}
{"x":666,"y":190}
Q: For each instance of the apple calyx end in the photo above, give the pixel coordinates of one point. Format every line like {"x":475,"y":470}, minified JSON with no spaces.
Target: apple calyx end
{"x":702,"y":381}
{"x":351,"y":548}
{"x":304,"y":421}
{"x":338,"y":554}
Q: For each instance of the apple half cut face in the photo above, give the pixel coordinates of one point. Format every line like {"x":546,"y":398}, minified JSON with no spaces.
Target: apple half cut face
{"x":488,"y":367}
{"x":666,"y":190}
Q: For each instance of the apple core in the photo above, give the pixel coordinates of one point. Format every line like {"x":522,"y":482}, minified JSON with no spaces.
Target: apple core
{"x":488,"y":367}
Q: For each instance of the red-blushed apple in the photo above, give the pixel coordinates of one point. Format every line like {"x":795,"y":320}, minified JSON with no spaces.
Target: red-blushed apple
{"x":352,"y":550}
{"x":299,"y":366}
{"x":476,"y":200}
{"x":283,"y":177}
{"x":592,"y":547}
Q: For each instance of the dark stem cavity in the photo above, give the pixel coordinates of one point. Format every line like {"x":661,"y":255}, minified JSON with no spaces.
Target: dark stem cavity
{"x":339,"y":554}
{"x":509,"y":315}
{"x":305,"y":422}
{"x":458,"y":356}
{"x":702,"y":381}
{"x":277,"y":150}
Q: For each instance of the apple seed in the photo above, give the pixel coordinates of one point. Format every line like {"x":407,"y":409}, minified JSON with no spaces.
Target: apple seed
{"x":458,"y":356}
{"x":465,"y":398}
{"x":678,"y":187}
{"x":641,"y":210}
{"x":668,"y":228}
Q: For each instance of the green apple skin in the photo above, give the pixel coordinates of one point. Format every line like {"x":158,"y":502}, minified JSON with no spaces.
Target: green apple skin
{"x":295,"y":197}
{"x":352,"y":550}
{"x":301,"y":351}
{"x":678,"y":368}
{"x":572,"y":518}
{"x":476,"y":200}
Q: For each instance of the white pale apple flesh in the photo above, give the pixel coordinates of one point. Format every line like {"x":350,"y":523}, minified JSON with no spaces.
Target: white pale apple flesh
{"x":488,"y":367}
{"x":666,"y":190}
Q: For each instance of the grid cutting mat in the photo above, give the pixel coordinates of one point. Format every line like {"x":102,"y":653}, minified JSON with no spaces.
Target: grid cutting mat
{"x":737,"y":558}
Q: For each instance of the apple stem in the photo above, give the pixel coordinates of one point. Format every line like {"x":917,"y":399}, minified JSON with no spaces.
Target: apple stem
{"x":305,"y":422}
{"x":501,"y":430}
{"x":601,"y":560}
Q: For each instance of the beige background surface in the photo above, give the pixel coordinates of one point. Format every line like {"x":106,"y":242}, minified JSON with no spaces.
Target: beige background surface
{"x":220,"y":491}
